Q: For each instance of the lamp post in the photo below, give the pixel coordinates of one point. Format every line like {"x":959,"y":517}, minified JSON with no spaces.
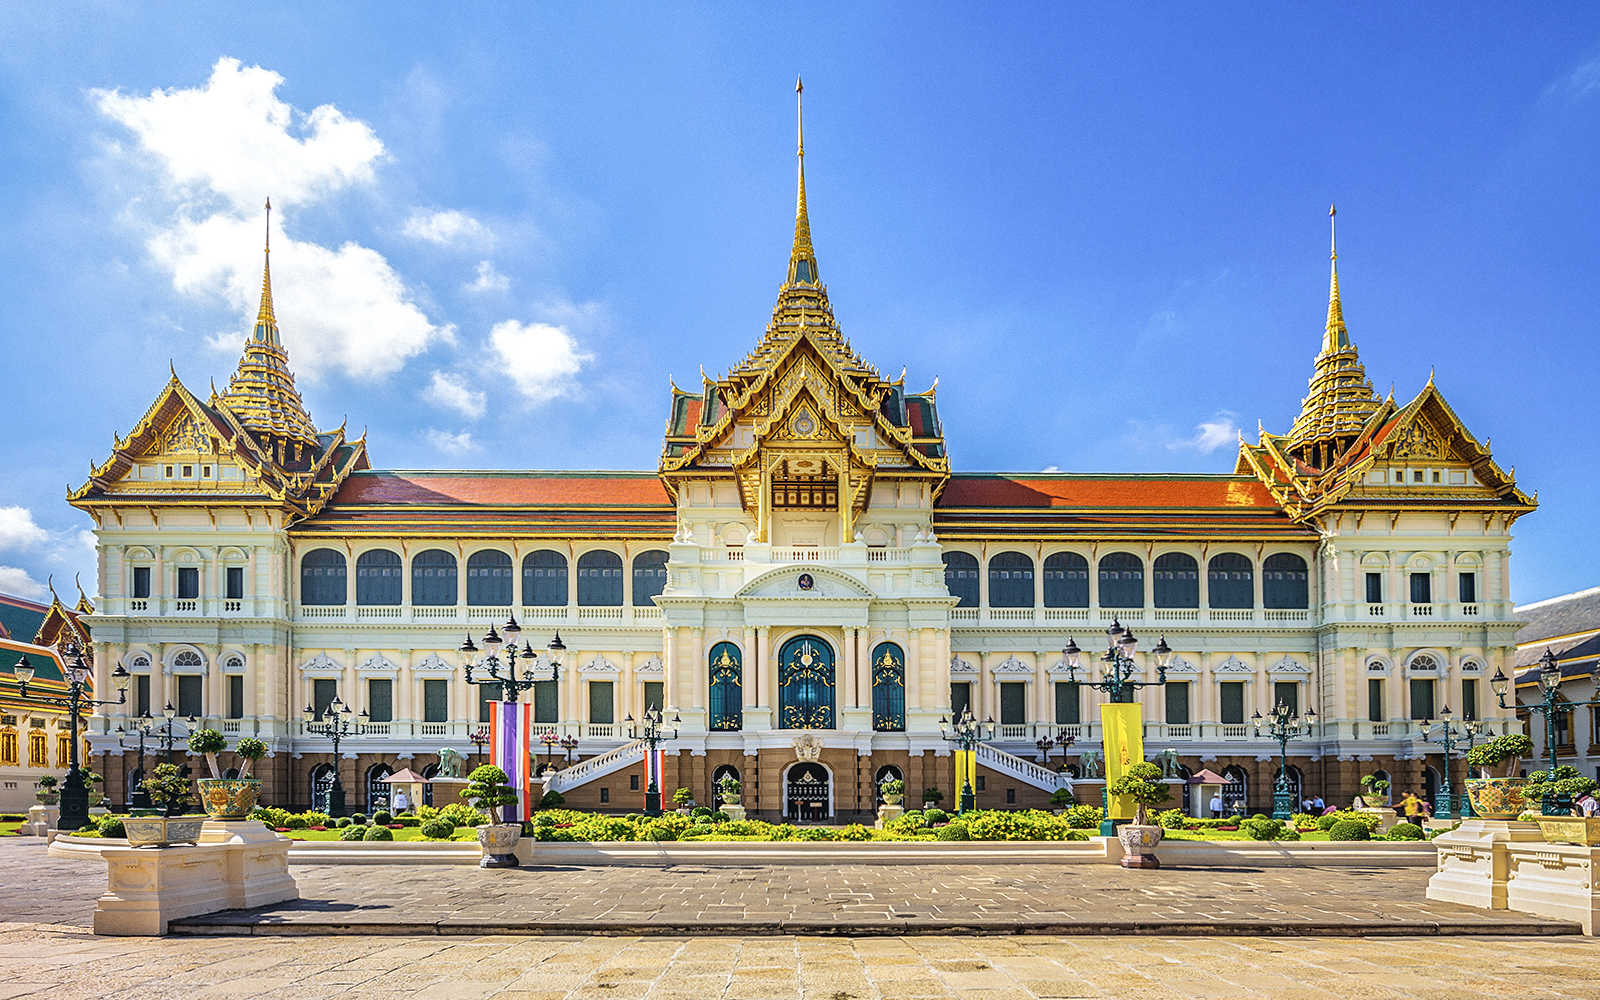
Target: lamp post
{"x":1550,"y":686}
{"x":337,"y":724}
{"x":165,"y":733}
{"x":479,"y":738}
{"x":1284,"y":725}
{"x":652,"y":730}
{"x":1117,"y":680}
{"x":966,"y":733}
{"x":75,"y":790}
{"x":145,"y":726}
{"x":569,"y":744}
{"x":1451,"y":737}
{"x":511,"y":685}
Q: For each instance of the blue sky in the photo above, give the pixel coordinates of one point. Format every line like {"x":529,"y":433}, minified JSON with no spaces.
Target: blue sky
{"x":497,"y":231}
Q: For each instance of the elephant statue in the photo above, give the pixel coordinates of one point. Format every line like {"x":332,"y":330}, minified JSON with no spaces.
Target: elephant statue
{"x":1168,"y":759}
{"x":450,"y":763}
{"x":1089,"y":762}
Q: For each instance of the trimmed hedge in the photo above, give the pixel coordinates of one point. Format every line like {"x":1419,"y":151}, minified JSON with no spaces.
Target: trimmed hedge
{"x":1349,"y":830}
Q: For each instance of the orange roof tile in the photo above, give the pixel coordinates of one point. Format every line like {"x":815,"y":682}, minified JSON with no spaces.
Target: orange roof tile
{"x":1098,"y":492}
{"x":536,"y":489}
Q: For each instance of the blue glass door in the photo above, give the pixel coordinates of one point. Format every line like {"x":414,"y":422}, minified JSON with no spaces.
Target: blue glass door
{"x":805,"y":684}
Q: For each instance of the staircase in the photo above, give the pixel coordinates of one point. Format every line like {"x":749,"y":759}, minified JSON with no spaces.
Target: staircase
{"x":586,"y":771}
{"x":1022,"y":770}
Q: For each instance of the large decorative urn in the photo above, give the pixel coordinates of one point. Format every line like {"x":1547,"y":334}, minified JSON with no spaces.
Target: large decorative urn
{"x":162,"y":831}
{"x":1139,"y":845}
{"x":1497,"y":798}
{"x":229,"y":798}
{"x":499,"y":842}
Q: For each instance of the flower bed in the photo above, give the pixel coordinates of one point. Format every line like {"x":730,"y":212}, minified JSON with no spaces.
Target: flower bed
{"x":569,"y":826}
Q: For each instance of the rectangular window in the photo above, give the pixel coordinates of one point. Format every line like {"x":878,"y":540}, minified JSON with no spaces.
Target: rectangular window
{"x":435,"y":701}
{"x":1469,"y":699}
{"x":1013,"y":704}
{"x":1421,"y":698}
{"x":654,"y":695}
{"x":633,"y":782}
{"x":1375,"y":700}
{"x":1232,"y":703}
{"x":960,"y":698}
{"x":323,"y":691}
{"x":141,"y":694}
{"x":545,"y":702}
{"x":1178,"y":703}
{"x":189,"y":701}
{"x":1421,"y":588}
{"x":1286,"y":693}
{"x":1469,"y":588}
{"x":486,"y":694}
{"x":1374,"y":588}
{"x":1069,"y":704}
{"x":188,"y":582}
{"x":605,"y":796}
{"x":600,"y":703}
{"x":235,"y":696}
{"x":235,"y":583}
{"x":9,"y":748}
{"x":141,"y":581}
{"x":380,"y":699}
{"x":980,"y":787}
{"x":1011,"y":796}
{"x":38,"y":750}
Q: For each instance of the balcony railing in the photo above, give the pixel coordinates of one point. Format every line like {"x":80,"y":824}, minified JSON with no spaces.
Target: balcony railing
{"x":1230,"y":732}
{"x":476,"y":613}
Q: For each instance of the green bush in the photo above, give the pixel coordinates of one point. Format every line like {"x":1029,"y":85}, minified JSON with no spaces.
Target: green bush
{"x":383,"y":817}
{"x":953,"y":831}
{"x":908,"y":822}
{"x":719,"y":817}
{"x":1062,"y":797}
{"x":438,"y":829}
{"x":932,"y":794}
{"x":460,"y":814}
{"x":377,"y":833}
{"x":314,"y":818}
{"x":13,"y":818}
{"x":700,"y":812}
{"x":355,"y":831}
{"x":855,"y":832}
{"x":1407,"y":831}
{"x":360,"y":819}
{"x":933,"y":817}
{"x":1289,"y":833}
{"x":296,"y":823}
{"x":1303,"y":819}
{"x":342,"y":822}
{"x":407,"y":820}
{"x":1565,"y":780}
{"x":91,"y":831}
{"x":1171,"y":819}
{"x":1261,"y":828}
{"x":1349,"y":830}
{"x":111,"y":826}
{"x":1084,"y":817}
{"x":1325,"y":823}
{"x":552,"y":800}
{"x":814,"y":834}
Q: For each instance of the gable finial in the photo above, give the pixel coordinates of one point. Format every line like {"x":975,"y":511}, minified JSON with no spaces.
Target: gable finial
{"x":266,"y":329}
{"x":802,"y":259}
{"x":1336,"y":337}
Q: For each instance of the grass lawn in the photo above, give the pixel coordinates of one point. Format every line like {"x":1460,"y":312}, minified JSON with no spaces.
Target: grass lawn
{"x":407,"y":833}
{"x":1227,"y":835}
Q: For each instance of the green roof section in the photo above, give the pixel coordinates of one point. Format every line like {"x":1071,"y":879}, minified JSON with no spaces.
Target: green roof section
{"x":20,"y":617}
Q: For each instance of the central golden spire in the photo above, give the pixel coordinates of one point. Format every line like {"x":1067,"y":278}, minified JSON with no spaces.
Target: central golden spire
{"x":266,"y":323}
{"x":1336,"y":337}
{"x":802,"y":259}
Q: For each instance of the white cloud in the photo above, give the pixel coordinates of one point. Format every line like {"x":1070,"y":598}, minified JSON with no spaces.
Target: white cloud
{"x":1051,"y":468}
{"x":447,"y":228}
{"x":18,"y":583}
{"x":489,"y":280}
{"x":454,"y":444}
{"x":18,"y":530}
{"x":451,"y":391}
{"x":1210,"y":435}
{"x":542,"y":360}
{"x":218,"y":151}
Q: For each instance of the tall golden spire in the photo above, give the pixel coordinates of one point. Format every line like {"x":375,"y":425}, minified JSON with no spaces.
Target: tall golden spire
{"x":266,"y":323}
{"x":1336,"y":337}
{"x":802,"y":259}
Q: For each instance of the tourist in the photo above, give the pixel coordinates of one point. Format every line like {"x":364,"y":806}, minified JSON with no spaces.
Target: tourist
{"x":1410,"y":805}
{"x":1318,"y":805}
{"x":401,"y":803}
{"x":1588,"y":805}
{"x":1217,"y":806}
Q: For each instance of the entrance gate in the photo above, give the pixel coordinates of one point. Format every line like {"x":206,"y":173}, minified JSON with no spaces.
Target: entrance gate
{"x":806,"y":792}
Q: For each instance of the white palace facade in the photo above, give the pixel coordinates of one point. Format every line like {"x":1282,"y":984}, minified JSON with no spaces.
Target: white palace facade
{"x":807,"y":584}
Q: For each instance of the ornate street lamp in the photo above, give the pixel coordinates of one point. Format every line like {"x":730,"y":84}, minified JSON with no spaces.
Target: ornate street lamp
{"x":511,"y":685}
{"x":145,"y":727}
{"x":166,"y":734}
{"x":1284,"y":725}
{"x":1451,"y":736}
{"x":75,"y":790}
{"x":1550,"y":686}
{"x":1117,"y":680}
{"x":966,"y":733}
{"x":569,"y":744}
{"x":479,"y":738}
{"x":653,"y":731}
{"x":337,"y":723}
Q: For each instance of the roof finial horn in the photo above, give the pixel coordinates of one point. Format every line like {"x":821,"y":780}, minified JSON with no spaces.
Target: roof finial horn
{"x":1335,"y":337}
{"x":802,"y":259}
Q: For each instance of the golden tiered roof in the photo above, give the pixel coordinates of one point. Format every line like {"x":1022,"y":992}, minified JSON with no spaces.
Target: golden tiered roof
{"x":261,"y":393}
{"x":1340,"y":400}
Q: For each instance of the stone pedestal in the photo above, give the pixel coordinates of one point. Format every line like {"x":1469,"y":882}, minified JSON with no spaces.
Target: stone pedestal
{"x":1474,"y":865}
{"x":735,"y":812}
{"x":41,"y":820}
{"x":1387,"y":818}
{"x":446,"y":791}
{"x":1554,"y":880}
{"x":237,"y":864}
{"x":888,"y":814}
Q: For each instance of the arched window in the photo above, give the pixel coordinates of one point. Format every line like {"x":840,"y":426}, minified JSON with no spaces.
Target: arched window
{"x":1121,"y":581}
{"x":723,"y":771}
{"x":544,"y":579}
{"x":377,"y":788}
{"x":322,"y":573}
{"x":887,"y":772}
{"x":378,"y":578}
{"x":433,"y":579}
{"x":1177,"y":581}
{"x":649,"y":577}
{"x":961,"y":577}
{"x":727,"y":688}
{"x":600,"y":579}
{"x":1387,"y":795}
{"x":1236,"y":791}
{"x":1010,"y":581}
{"x":805,"y":684}
{"x":190,"y":660}
{"x":321,"y":785}
{"x":888,"y":688}
{"x":489,"y":579}
{"x":1066,"y":581}
{"x":1230,"y":581}
{"x":1283,"y":582}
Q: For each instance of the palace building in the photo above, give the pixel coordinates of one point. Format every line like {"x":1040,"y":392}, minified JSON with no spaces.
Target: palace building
{"x":806,"y":583}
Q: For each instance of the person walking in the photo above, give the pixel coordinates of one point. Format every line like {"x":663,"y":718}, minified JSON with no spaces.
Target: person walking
{"x":1588,"y":805}
{"x":1411,"y":806}
{"x":400,"y":802}
{"x":1216,"y":805}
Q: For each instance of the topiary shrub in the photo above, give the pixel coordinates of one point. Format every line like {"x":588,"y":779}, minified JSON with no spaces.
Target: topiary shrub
{"x":360,"y":819}
{"x":1325,"y":823}
{"x":1171,"y":819}
{"x":1143,"y":783}
{"x":377,"y":833}
{"x":953,"y":831}
{"x":720,"y":817}
{"x":1084,"y":817}
{"x":354,"y":832}
{"x":1061,"y":798}
{"x":1289,"y":833}
{"x":1407,"y":831}
{"x":700,"y":812}
{"x":296,"y":823}
{"x":934,"y":817}
{"x":438,"y":829}
{"x":111,"y":826}
{"x":1349,"y":830}
{"x":407,"y":820}
{"x":855,"y":832}
{"x":1261,"y":828}
{"x":342,"y":822}
{"x":552,"y":800}
{"x":383,"y":817}
{"x":208,"y":743}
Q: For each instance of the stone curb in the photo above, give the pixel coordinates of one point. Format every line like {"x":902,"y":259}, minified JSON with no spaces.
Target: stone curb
{"x":242,"y":926}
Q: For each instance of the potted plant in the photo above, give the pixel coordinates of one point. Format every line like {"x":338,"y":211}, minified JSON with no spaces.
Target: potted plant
{"x":1141,"y":782}
{"x":1376,"y":787}
{"x":893,"y":791}
{"x":47,"y":793}
{"x":683,"y":799}
{"x":171,"y":789}
{"x":225,"y":798}
{"x":931,"y":796}
{"x":1062,"y":799}
{"x":1497,"y":793}
{"x":489,"y":789}
{"x":1558,"y":789}
{"x":729,"y":788}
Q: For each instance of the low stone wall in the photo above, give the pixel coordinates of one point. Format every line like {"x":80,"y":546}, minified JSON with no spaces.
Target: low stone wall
{"x":309,"y":852}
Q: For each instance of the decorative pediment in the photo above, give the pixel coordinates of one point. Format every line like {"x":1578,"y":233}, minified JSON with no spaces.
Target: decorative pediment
{"x":378,"y":663}
{"x":650,"y":666}
{"x":1012,"y":665}
{"x":1233,"y":666}
{"x":599,"y":665}
{"x":958,"y":666}
{"x":805,"y":583}
{"x":1181,"y":666}
{"x":1059,"y":669}
{"x":432,"y":663}
{"x":322,"y":663}
{"x":1289,"y":665}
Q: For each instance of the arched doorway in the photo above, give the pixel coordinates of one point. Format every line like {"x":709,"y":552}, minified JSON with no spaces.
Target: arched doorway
{"x":1236,"y":792}
{"x":1387,"y":795}
{"x":430,"y":772}
{"x":1430,"y":784}
{"x":321,"y":785}
{"x":136,"y":776}
{"x":808,"y":793}
{"x":805,"y":684}
{"x":377,"y":790}
{"x":1185,"y":774}
{"x":887,"y":772}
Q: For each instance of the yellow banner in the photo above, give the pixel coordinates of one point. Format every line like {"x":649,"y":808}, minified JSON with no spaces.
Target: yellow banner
{"x":966,"y":771}
{"x":1123,"y":727}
